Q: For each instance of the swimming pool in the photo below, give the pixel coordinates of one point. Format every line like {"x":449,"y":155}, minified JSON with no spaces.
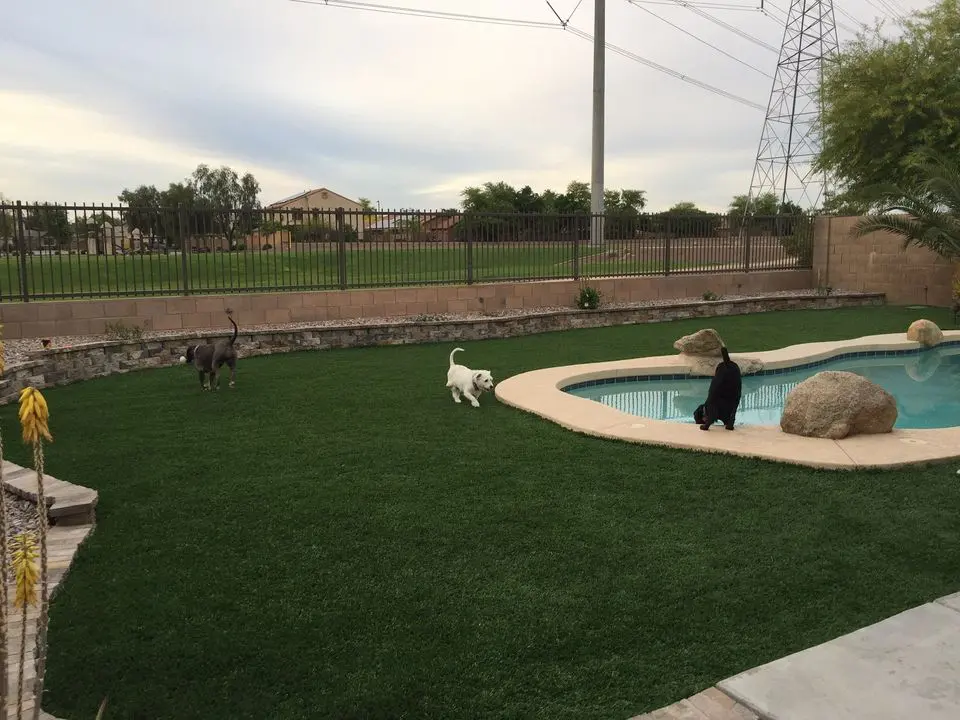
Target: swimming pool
{"x":925,"y":382}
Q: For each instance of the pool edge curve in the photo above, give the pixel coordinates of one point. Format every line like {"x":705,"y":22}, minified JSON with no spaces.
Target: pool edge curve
{"x":539,"y":392}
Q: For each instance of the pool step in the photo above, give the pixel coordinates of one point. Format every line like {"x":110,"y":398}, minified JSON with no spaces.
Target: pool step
{"x":67,"y":504}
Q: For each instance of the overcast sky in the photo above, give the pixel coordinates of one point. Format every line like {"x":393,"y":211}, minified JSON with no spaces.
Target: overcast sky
{"x":97,"y":96}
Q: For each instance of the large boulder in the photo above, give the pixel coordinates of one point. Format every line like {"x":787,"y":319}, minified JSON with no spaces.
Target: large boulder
{"x":836,"y":404}
{"x":925,"y":332}
{"x":700,"y":351}
{"x":702,"y":342}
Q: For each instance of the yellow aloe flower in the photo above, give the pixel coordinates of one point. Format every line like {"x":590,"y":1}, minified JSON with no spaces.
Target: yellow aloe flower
{"x":25,"y":568}
{"x":34,"y":416}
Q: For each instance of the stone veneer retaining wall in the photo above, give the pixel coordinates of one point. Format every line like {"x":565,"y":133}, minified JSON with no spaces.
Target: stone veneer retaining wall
{"x":61,"y":366}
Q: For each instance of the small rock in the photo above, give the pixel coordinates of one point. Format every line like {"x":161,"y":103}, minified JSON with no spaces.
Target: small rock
{"x":925,"y":332}
{"x":702,"y":342}
{"x":837,"y":404}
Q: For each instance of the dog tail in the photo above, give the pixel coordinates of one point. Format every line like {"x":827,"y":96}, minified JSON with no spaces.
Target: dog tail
{"x":236,"y":330}
{"x":454,"y":352}
{"x":726,"y":355}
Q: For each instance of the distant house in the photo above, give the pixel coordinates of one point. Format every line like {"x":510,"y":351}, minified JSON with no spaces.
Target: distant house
{"x":441,"y":227}
{"x":296,"y":209}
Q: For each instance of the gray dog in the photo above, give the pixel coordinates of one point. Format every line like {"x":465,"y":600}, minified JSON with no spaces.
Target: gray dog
{"x":208,"y":359}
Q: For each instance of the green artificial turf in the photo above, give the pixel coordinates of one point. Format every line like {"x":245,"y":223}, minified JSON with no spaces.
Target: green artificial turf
{"x":335,"y":538}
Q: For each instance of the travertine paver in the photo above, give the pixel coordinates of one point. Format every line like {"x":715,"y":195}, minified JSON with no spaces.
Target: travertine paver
{"x":711,"y":704}
{"x":62,"y":543}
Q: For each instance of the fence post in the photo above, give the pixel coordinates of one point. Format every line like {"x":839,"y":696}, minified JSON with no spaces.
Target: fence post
{"x":341,"y":250}
{"x":666,"y":252}
{"x":184,"y":262}
{"x":22,"y":255}
{"x":469,"y":258}
{"x":576,"y":256}
{"x":747,"y":245}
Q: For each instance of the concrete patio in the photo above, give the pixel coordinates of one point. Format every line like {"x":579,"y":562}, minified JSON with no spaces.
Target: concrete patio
{"x":906,"y":666}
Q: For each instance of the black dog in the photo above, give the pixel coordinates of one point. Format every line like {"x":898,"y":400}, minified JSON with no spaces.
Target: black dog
{"x":723,"y":398}
{"x":208,"y":359}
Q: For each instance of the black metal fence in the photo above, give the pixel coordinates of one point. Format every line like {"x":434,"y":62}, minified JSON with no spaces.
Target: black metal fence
{"x":85,"y":251}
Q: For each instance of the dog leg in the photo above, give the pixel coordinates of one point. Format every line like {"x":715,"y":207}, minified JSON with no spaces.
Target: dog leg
{"x":469,"y":396}
{"x":203,"y":379}
{"x":233,"y":372}
{"x":731,"y":420}
{"x":456,"y":393}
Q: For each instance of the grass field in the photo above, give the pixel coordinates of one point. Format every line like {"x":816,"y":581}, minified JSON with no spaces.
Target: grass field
{"x":337,"y":539}
{"x":366,"y":265}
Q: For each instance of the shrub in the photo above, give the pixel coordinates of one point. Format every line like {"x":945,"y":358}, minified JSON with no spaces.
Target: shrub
{"x":588,"y":298}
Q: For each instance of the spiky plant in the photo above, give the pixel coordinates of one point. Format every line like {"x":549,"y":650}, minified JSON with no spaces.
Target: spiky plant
{"x":927,"y":215}
{"x":34,"y":421}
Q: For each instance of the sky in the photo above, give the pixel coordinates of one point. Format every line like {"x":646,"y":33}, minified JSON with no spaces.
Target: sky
{"x":98,"y":96}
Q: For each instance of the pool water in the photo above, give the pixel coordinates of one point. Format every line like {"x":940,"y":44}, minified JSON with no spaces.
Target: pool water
{"x":925,"y":383}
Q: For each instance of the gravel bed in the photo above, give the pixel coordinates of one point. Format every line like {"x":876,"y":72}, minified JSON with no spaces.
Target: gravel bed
{"x":16,"y":351}
{"x":21,"y":514}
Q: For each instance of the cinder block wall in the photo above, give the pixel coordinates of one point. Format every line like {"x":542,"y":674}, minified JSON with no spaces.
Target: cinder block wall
{"x":90,"y":317}
{"x":878,"y":263}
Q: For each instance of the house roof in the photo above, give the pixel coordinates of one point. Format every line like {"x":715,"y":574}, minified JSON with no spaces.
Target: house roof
{"x":305,"y":193}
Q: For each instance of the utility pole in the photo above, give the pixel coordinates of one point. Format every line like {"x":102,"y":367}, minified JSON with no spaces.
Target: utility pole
{"x":599,"y":85}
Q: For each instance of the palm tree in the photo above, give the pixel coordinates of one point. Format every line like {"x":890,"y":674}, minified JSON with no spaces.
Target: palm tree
{"x":927,"y":215}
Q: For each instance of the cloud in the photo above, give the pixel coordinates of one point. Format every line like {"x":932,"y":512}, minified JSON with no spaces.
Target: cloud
{"x":403,"y":110}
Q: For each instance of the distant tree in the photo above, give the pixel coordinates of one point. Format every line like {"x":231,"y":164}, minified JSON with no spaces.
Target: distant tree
{"x":50,"y":220}
{"x":558,"y":212}
{"x":210,"y":201}
{"x":229,"y":199}
{"x":7,"y":224}
{"x":887,"y":98}
{"x":767,"y":215}
{"x":685,"y":219}
{"x":366,"y":205}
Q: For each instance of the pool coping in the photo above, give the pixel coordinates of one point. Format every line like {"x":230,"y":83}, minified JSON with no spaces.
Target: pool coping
{"x":541,"y":393}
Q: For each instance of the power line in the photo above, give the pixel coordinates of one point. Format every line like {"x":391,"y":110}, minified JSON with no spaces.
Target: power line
{"x":435,"y":14}
{"x":717,"y":21}
{"x":711,"y":5}
{"x":705,"y":42}
{"x":668,"y":71}
{"x":485,"y":19}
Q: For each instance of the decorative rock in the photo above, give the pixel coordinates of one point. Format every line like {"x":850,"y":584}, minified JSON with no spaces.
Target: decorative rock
{"x":837,"y":404}
{"x":702,"y":342}
{"x":925,"y":332}
{"x":706,"y":365}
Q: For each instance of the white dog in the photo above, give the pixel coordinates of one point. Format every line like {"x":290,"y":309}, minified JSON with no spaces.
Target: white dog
{"x":463,"y":381}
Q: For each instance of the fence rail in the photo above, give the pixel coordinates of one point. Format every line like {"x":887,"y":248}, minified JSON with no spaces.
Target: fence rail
{"x":86,"y":251}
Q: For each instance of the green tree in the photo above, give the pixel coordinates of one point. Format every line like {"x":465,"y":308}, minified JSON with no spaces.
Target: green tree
{"x":926,"y":214}
{"x":7,"y":223}
{"x":685,"y":219}
{"x":51,"y":220}
{"x":225,"y":200}
{"x":887,"y":98}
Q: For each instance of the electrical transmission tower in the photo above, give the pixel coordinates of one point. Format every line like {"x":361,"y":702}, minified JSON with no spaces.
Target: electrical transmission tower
{"x":790,"y":138}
